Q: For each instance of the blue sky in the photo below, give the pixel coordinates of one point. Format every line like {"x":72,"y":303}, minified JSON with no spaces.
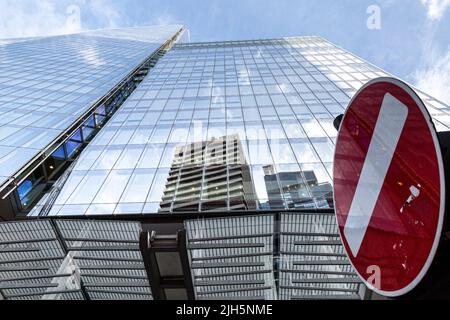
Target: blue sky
{"x":413,"y":41}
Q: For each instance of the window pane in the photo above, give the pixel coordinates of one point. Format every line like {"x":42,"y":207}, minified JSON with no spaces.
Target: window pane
{"x":108,"y":158}
{"x":324,"y":148}
{"x":141,"y":135}
{"x":274,"y":130}
{"x":281,"y":151}
{"x":313,"y":128}
{"x":130,"y":157}
{"x":122,"y":136}
{"x":113,"y":187}
{"x":259,"y":152}
{"x":293,"y":129}
{"x":304,"y":151}
{"x":138,"y":186}
{"x":88,"y":157}
{"x":151,"y":156}
{"x":87,"y":189}
{"x":71,"y":184}
{"x":158,"y":186}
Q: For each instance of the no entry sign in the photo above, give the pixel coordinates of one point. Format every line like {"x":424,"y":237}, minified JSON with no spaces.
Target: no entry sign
{"x":389,"y":186}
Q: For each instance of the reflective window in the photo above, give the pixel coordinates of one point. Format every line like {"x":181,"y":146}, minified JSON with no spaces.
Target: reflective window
{"x":117,"y":180}
{"x":87,"y":188}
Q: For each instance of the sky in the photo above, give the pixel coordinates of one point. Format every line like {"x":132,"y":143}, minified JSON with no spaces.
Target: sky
{"x":407,"y":38}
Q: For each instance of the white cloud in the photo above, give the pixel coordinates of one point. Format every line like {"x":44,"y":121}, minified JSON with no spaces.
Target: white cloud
{"x":162,"y":18}
{"x":165,"y":20}
{"x":33,"y":18}
{"x":27,"y":18}
{"x":434,"y":77}
{"x":432,"y":74}
{"x":436,"y":8}
{"x":111,"y":15}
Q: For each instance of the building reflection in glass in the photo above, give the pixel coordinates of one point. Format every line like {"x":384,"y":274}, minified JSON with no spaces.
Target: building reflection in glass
{"x":214,"y":175}
{"x":209,"y":175}
{"x":296,"y":189}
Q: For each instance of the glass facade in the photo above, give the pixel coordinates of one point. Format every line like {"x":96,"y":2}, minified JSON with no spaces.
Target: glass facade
{"x":47,"y":83}
{"x":276,"y":99}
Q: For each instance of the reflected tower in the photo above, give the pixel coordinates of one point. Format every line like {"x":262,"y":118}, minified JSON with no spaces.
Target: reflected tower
{"x":298,"y":189}
{"x":209,"y":175}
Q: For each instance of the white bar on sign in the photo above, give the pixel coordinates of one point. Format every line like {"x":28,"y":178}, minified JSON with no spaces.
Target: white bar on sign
{"x":386,"y":135}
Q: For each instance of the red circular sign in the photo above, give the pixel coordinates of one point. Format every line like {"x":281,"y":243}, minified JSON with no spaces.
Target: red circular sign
{"x":389,"y":186}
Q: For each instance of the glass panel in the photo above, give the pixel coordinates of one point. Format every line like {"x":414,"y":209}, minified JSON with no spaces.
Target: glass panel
{"x":313,"y":128}
{"x":141,"y":135}
{"x":157,"y":190}
{"x":138,"y":186}
{"x":122,"y":136}
{"x":59,"y":153}
{"x":151,"y":156}
{"x":274,"y":130}
{"x":76,"y":136}
{"x":304,"y":151}
{"x":88,"y":187}
{"x":281,"y":151}
{"x":88,"y":157}
{"x":24,"y":188}
{"x":101,"y":110}
{"x":104,"y":137}
{"x":53,"y":166}
{"x":259,"y":152}
{"x":71,"y":184}
{"x":255,"y":131}
{"x":320,"y":184}
{"x":236,"y":128}
{"x":293,"y":129}
{"x":112,"y":188}
{"x":294,"y":187}
{"x":87,"y":133}
{"x":31,"y":188}
{"x":258,"y":177}
{"x":179,"y":134}
{"x":129,"y":157}
{"x":90,"y":122}
{"x":272,"y":186}
{"x":108,"y":158}
{"x":161,"y":134}
{"x":251,"y":114}
{"x":167,"y":160}
{"x":99,"y":119}
{"x":324,"y":148}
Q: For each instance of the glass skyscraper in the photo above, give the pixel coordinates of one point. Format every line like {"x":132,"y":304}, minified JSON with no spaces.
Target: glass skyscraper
{"x":279,"y":97}
{"x":232,"y":141}
{"x":49,"y":89}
